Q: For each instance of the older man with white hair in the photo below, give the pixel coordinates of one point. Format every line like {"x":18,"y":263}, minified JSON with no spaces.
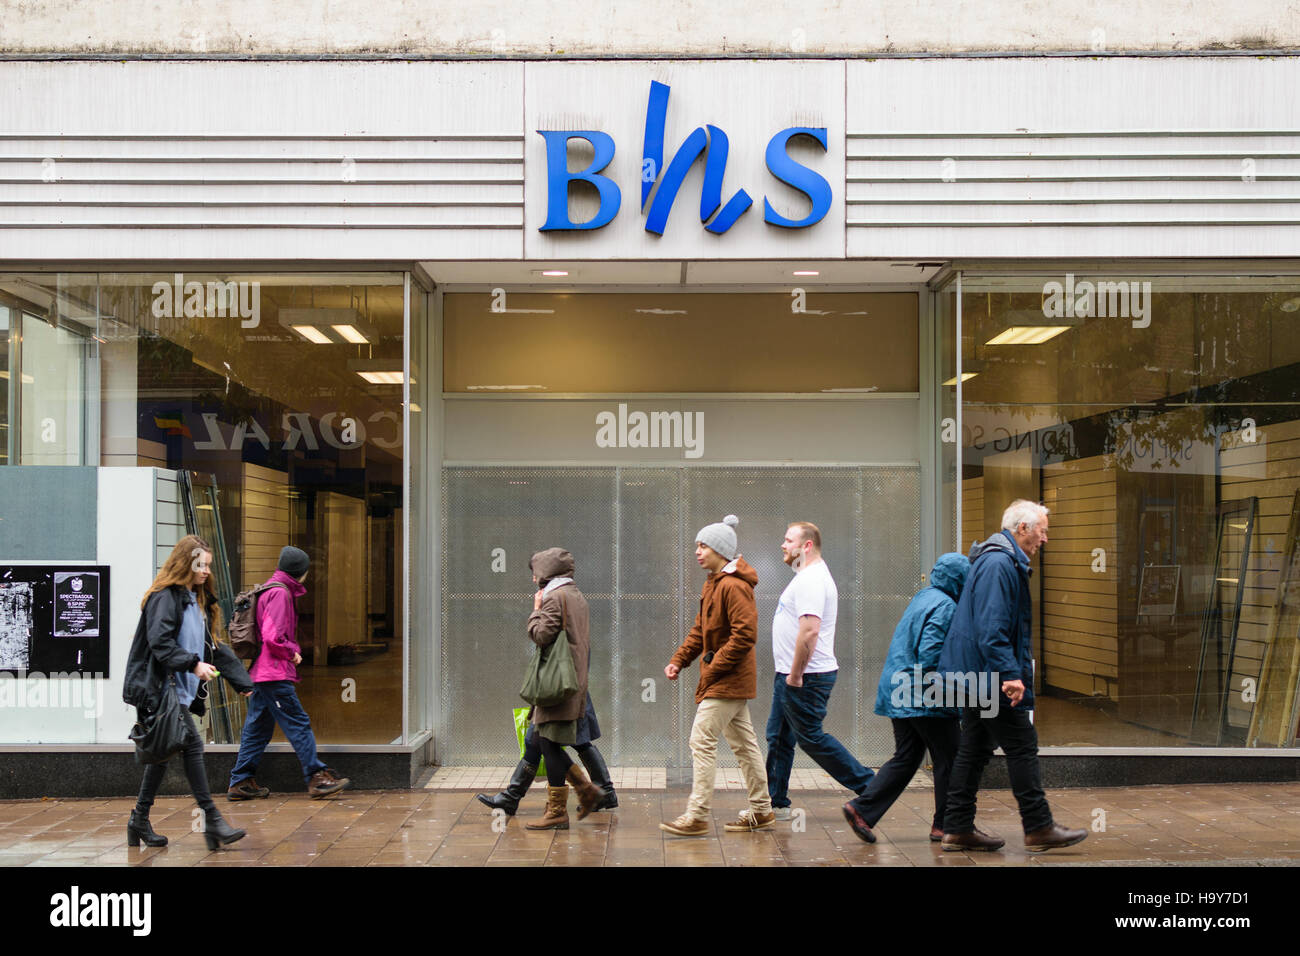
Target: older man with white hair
{"x":989,"y":647}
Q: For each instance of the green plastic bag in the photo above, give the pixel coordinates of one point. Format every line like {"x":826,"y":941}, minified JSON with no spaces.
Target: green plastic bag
{"x":521,"y":731}
{"x":551,"y":678}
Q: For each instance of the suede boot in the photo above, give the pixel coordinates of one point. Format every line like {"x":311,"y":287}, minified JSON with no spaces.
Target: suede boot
{"x":557,"y":810}
{"x":588,"y":793}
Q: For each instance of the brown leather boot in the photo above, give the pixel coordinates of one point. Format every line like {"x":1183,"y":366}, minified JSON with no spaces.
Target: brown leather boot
{"x":589,"y":795}
{"x":557,"y":810}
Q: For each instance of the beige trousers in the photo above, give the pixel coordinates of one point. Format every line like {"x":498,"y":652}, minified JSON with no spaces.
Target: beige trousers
{"x":730,"y":719}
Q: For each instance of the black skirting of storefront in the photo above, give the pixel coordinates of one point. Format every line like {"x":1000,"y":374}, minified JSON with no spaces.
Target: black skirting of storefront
{"x":68,"y":771}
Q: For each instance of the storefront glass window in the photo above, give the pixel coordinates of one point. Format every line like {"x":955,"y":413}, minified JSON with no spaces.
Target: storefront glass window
{"x":1158,"y":418}
{"x":280,"y":398}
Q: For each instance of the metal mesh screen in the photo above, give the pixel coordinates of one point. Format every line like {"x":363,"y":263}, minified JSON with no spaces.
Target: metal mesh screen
{"x":632,"y":531}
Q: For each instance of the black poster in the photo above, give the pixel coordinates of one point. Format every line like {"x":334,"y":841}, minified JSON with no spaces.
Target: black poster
{"x":54,"y":619}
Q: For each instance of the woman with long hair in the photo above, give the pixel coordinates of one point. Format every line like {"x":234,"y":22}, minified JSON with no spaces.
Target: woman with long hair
{"x":176,"y":640}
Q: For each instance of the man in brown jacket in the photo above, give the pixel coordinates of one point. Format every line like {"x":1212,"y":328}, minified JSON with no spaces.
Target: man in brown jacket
{"x":723,"y":638}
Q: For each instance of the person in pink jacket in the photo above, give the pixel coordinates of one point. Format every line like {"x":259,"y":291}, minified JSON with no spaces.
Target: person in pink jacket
{"x":274,"y":700}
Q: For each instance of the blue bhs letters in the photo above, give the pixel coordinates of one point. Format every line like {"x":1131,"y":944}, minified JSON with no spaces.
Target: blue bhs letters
{"x":709,"y":141}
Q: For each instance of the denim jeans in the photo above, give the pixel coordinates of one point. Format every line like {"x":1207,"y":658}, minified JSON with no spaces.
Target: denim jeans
{"x":912,"y":737}
{"x":797,"y":715}
{"x":1012,"y":730}
{"x":275,"y":702}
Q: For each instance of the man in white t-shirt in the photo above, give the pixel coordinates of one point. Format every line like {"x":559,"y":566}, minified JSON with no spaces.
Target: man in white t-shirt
{"x":803,"y":644}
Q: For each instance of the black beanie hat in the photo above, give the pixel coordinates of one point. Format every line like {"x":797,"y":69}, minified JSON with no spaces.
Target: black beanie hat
{"x":293,"y":561}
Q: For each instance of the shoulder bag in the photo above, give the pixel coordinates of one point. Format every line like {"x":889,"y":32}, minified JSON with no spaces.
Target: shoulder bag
{"x":551,"y":677}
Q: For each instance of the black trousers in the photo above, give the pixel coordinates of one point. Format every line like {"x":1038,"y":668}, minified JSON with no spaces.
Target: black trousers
{"x":1013,"y":731}
{"x":912,"y":737}
{"x":192,"y":760}
{"x":557,"y":761}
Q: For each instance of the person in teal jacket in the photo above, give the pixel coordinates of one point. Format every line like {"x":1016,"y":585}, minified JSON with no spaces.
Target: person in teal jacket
{"x":913,"y":702}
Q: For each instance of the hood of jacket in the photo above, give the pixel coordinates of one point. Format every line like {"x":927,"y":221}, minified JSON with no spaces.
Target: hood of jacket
{"x":740,"y":568}
{"x":551,"y":563}
{"x":1000,"y":542}
{"x":949,"y":574}
{"x":296,"y":587}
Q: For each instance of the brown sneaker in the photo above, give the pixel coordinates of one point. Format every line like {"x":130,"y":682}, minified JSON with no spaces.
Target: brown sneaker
{"x":750,"y":820}
{"x":687,"y":826}
{"x":247,"y":790}
{"x":1053,"y":837}
{"x":326,"y":782}
{"x":976,"y":840}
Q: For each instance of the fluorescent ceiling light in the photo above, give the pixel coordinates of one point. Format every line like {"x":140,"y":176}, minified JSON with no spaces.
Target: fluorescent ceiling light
{"x":806,"y":272}
{"x":1027,"y":334}
{"x":350,"y":334}
{"x":312,"y":334}
{"x":383,"y":378}
{"x":553,"y":272}
{"x":329,"y":326}
{"x":965,"y":377}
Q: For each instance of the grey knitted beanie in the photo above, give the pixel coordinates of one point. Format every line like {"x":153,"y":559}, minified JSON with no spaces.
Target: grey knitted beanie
{"x":721,"y":537}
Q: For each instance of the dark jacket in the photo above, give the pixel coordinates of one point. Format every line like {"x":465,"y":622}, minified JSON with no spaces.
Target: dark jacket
{"x":563,"y":609}
{"x":918,"y":641}
{"x":727,"y":627}
{"x":993,"y":623}
{"x":156,"y":654}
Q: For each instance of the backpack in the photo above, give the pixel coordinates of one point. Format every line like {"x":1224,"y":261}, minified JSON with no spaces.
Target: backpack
{"x":245,"y":635}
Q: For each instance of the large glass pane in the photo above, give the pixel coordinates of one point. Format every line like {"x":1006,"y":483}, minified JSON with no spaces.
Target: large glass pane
{"x":680,"y":342}
{"x":284,"y":394}
{"x":1158,"y":418}
{"x":7,"y":384}
{"x":50,"y":369}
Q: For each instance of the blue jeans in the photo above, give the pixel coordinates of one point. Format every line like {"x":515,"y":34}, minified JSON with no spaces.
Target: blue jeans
{"x":797,"y":715}
{"x":275,"y":702}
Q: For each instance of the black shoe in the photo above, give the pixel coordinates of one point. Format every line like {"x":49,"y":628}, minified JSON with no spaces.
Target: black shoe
{"x":219,"y":833}
{"x":508,"y":799}
{"x":600,"y":776}
{"x":1053,"y":837}
{"x":139,"y":828}
{"x":859,"y":825}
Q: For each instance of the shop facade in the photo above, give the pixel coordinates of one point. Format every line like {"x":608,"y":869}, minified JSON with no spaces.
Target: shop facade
{"x":424,"y":319}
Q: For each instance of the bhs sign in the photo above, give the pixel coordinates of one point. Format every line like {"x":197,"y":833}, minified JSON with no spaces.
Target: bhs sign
{"x":707,"y":141}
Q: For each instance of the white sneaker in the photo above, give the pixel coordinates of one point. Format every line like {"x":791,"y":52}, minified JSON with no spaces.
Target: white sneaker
{"x":783,"y":814}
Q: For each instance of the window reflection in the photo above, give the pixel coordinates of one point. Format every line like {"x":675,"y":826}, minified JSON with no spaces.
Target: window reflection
{"x":1165,"y":439}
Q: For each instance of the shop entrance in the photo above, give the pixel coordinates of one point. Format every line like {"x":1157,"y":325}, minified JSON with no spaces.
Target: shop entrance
{"x":730,"y":406}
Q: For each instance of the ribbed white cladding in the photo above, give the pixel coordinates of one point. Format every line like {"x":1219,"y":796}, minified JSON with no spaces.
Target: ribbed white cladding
{"x":261,"y":160}
{"x":1073,"y":157}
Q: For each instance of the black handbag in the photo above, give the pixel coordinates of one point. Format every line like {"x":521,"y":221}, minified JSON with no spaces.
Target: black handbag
{"x":159,"y":735}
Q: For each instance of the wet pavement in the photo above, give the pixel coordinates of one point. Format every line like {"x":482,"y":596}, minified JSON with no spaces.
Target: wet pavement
{"x":1210,"y":824}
